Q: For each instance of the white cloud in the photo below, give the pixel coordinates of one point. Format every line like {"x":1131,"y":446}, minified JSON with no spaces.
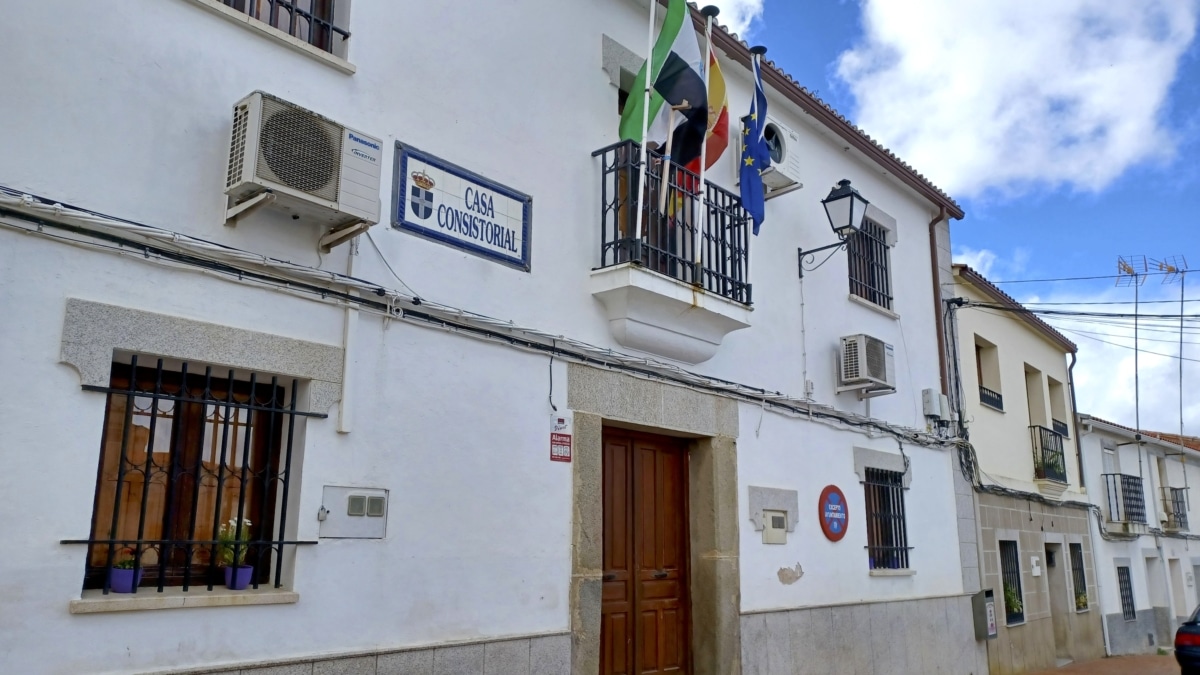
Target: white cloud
{"x":736,"y":15}
{"x":989,"y":97}
{"x":992,"y":265}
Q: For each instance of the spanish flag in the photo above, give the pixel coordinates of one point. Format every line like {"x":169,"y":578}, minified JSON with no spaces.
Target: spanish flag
{"x":717,"y":138}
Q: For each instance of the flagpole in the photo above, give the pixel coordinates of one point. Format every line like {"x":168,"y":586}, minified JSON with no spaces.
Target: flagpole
{"x":645,"y":160}
{"x":756,"y":54}
{"x":710,"y":12}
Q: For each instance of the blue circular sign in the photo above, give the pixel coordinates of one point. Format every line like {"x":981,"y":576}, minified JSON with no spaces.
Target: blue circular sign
{"x":834,"y":513}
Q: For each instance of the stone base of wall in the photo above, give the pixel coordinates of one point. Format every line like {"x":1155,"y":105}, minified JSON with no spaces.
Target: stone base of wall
{"x":933,"y":635}
{"x":536,"y":655}
{"x":1134,"y":637}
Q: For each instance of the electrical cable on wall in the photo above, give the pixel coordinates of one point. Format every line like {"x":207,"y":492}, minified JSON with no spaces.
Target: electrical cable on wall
{"x":175,"y":249}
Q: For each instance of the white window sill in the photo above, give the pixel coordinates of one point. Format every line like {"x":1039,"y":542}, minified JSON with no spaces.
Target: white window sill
{"x":870,"y":305}
{"x":276,"y":35}
{"x":1083,"y":611}
{"x":893,"y":573}
{"x":94,"y":601}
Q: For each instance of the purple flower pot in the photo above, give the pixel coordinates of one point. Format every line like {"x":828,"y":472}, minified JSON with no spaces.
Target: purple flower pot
{"x":238,"y":577}
{"x":122,"y":580}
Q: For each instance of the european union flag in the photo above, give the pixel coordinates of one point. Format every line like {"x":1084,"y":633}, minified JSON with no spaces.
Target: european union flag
{"x":755,"y":155}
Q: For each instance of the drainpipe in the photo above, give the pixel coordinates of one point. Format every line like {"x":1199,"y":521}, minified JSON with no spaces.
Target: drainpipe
{"x":938,"y":311}
{"x":1074,"y":422}
{"x":1094,"y":526}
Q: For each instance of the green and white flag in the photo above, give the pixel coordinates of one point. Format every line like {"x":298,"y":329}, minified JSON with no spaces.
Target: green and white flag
{"x":678,"y":76}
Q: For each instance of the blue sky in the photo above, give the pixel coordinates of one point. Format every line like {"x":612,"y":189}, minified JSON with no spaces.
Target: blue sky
{"x":1068,"y":130}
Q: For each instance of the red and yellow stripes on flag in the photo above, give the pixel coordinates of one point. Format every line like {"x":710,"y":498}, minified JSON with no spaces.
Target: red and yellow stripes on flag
{"x":717,"y":137}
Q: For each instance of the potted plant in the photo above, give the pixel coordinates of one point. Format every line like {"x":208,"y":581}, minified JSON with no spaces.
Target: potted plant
{"x":231,"y":553}
{"x":1081,"y":601}
{"x":122,"y":577}
{"x":1012,"y":601}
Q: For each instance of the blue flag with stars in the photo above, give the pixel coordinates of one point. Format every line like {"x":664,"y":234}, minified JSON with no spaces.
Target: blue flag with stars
{"x":755,"y":155}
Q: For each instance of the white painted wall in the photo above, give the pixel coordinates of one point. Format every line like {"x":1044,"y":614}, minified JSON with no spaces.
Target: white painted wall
{"x":1146,"y":591}
{"x":797,"y":455}
{"x":468,"y":553}
{"x":1002,"y":439}
{"x":125,"y":109}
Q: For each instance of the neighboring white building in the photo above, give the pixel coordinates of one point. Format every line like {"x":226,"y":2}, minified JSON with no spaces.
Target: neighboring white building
{"x":1146,"y":567}
{"x":1017,"y":405}
{"x":382,"y":409}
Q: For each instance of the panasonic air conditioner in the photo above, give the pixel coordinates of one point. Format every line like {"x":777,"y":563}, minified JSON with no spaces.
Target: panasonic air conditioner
{"x":866,"y":364}
{"x":303,"y":163}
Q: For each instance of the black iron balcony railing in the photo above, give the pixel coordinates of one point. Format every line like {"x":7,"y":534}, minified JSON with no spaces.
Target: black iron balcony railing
{"x":1060,"y":428}
{"x":1126,"y":500}
{"x":1048,"y":460}
{"x":1175,"y":505}
{"x":991,"y":398}
{"x":698,"y":237}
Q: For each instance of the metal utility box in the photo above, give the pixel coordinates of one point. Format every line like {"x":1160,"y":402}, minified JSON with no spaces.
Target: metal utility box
{"x":983,"y":608}
{"x":353,"y":513}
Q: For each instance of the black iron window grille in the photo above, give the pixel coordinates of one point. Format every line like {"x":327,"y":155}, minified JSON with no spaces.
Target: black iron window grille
{"x":698,"y":237}
{"x":194,"y":475}
{"x":1049,"y":463}
{"x":1126,"y":501}
{"x":1077,"y":575}
{"x":1010,"y":574}
{"x":887,"y":531}
{"x":308,"y":20}
{"x":1175,"y":504}
{"x":868,"y":253}
{"x":1126,"y":589}
{"x":1060,"y":428}
{"x":991,"y":398}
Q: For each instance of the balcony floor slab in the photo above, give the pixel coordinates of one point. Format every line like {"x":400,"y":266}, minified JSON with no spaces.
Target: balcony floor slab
{"x":654,"y":313}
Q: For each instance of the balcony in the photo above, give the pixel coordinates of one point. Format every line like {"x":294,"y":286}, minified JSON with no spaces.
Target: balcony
{"x":683,"y":284}
{"x":991,"y":398}
{"x":1049,"y":463}
{"x":1126,"y":502}
{"x":1060,"y":428}
{"x":1175,"y":506}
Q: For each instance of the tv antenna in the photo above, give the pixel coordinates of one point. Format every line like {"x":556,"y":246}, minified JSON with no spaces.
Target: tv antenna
{"x":1174,"y":269}
{"x":1131,"y":271}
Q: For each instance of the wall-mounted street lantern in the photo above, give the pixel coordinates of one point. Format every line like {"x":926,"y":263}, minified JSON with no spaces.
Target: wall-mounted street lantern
{"x":845,"y":208}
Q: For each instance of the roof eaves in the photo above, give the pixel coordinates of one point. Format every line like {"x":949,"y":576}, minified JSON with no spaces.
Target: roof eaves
{"x":988,"y":288}
{"x":824,"y":113}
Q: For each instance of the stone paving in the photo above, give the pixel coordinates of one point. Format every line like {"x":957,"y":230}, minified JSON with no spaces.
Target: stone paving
{"x":1120,"y":665}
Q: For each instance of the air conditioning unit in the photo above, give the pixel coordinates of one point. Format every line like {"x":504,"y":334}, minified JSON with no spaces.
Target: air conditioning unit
{"x":785,"y":156}
{"x":866,"y":364}
{"x":783,"y":175}
{"x":302,"y":163}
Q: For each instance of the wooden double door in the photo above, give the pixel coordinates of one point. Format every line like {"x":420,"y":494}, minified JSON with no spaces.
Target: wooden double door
{"x":645,"y":623}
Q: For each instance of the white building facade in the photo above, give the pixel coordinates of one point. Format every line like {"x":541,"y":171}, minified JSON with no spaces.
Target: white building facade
{"x":482,"y":435}
{"x":1142,"y":531}
{"x":1036,"y":546}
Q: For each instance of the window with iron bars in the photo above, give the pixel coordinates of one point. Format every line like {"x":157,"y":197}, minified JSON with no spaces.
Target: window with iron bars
{"x":868,"y":254}
{"x":887,"y":531}
{"x":1081,"y":598}
{"x":194,"y":474}
{"x":1126,"y":589}
{"x":309,"y":20}
{"x":1010,"y":576}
